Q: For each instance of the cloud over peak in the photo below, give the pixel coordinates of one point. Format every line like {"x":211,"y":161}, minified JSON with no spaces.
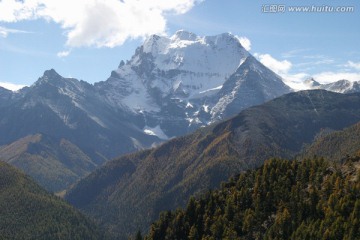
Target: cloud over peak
{"x":99,"y":23}
{"x":279,"y":67}
{"x":245,"y":42}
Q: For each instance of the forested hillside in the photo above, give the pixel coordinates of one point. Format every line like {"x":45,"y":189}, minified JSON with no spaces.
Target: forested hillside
{"x":310,"y":199}
{"x":28,"y":212}
{"x":337,"y":145}
{"x":128,"y":193}
{"x":54,"y":163}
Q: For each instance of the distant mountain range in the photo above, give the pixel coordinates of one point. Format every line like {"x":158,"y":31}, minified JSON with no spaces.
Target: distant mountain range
{"x":341,"y":86}
{"x":170,"y":87}
{"x":128,"y":193}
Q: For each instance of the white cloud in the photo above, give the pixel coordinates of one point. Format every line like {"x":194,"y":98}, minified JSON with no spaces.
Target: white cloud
{"x":282,"y":68}
{"x":245,"y":42}
{"x":328,"y":77}
{"x":100,"y":23}
{"x":279,"y":67}
{"x":352,"y":64}
{"x":63,"y":54}
{"x":13,"y":11}
{"x":11,"y":86}
{"x":286,"y":70}
{"x":4,"y":32}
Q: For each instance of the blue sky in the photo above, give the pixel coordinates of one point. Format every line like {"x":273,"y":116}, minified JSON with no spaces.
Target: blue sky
{"x":87,"y":39}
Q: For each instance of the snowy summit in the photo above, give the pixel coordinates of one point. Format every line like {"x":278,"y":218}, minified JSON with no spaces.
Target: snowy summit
{"x":184,"y":76}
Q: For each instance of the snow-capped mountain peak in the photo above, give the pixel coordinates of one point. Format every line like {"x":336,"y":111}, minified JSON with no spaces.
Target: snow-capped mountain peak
{"x":188,"y":52}
{"x":183,"y":35}
{"x":341,"y":86}
{"x":168,"y":74}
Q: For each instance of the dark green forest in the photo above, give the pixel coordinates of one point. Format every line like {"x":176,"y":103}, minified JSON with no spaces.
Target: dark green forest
{"x":309,"y":199}
{"x":27,"y":211}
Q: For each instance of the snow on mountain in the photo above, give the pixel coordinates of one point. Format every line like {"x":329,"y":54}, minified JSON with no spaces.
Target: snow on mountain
{"x":202,"y":63}
{"x":250,"y":85}
{"x":187,"y":52}
{"x":184,"y":65}
{"x":341,"y":86}
{"x":178,"y":82}
{"x":126,"y":89}
{"x":156,"y":131}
